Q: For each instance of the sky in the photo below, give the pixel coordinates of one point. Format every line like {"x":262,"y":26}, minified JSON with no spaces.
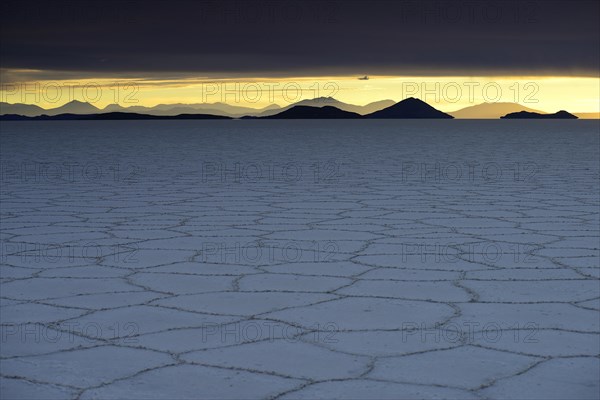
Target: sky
{"x":544,"y":54}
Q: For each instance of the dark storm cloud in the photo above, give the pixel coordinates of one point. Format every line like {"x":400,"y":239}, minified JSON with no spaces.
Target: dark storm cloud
{"x":307,"y":37}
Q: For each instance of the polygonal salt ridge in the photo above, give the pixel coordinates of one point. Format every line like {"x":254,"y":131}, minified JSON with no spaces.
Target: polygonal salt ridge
{"x":368,"y":310}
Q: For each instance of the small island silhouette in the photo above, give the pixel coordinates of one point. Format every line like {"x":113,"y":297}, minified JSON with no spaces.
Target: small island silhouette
{"x":562,"y":114}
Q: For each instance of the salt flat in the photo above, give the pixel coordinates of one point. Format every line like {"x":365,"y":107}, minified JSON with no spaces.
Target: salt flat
{"x":300,"y":259}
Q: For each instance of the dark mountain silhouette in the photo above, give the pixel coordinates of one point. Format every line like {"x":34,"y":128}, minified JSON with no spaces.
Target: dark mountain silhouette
{"x":330,"y":101}
{"x":531,"y":115}
{"x":14,"y":117}
{"x":409,"y":108}
{"x":307,"y":112}
{"x":106,"y":116}
{"x":490,"y":110}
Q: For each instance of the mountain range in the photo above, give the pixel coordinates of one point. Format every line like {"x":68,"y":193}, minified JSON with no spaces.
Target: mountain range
{"x":408,"y":108}
{"x":30,"y":110}
{"x":330,"y":101}
{"x":321,"y":107}
{"x":224,"y":109}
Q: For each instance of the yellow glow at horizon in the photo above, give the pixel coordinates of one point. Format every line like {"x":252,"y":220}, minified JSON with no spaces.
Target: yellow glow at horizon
{"x":550,"y":94}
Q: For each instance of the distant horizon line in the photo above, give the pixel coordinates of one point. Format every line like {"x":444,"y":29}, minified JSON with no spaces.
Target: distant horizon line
{"x":409,"y":108}
{"x":272,"y":105}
